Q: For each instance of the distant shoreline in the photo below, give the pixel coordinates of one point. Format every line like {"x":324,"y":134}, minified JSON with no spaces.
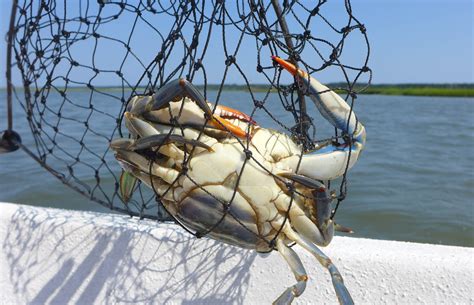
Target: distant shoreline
{"x":448,"y":90}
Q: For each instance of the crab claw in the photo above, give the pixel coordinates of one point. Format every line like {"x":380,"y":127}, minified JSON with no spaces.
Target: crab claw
{"x":329,"y":162}
{"x":154,"y":108}
{"x":225,"y":125}
{"x":230,"y":113}
{"x":177,"y":89}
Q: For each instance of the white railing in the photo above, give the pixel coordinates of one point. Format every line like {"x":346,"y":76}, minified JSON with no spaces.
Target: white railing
{"x":65,"y":257}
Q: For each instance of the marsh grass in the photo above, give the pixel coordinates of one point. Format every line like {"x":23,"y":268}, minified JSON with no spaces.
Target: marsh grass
{"x":449,"y":90}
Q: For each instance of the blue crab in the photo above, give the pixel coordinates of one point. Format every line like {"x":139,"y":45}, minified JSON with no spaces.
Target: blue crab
{"x":219,"y":173}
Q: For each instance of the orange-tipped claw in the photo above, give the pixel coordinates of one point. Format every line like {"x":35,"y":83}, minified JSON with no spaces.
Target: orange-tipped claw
{"x":223,"y":112}
{"x":230,"y":113}
{"x":289,"y":67}
{"x":223,"y":124}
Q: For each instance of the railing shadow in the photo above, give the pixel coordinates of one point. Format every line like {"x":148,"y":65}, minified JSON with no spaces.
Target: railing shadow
{"x":58,"y":258}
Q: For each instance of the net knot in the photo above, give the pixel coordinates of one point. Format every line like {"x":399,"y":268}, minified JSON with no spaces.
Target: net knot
{"x":345,"y":30}
{"x":290,"y":187}
{"x":295,"y":56}
{"x":333,"y":55}
{"x":159,"y":56}
{"x":84,"y":20}
{"x":230,"y":60}
{"x":341,"y":196}
{"x":175,"y":35}
{"x":248,"y":154}
{"x":258,"y":104}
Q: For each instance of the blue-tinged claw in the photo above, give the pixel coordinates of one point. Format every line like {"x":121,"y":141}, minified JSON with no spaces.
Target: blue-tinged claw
{"x":149,"y":107}
{"x":331,"y":106}
{"x":178,"y":88}
{"x":171,"y":91}
{"x":332,"y":161}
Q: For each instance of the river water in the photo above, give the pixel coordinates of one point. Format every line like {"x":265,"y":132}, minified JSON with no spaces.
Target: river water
{"x":413,"y":182}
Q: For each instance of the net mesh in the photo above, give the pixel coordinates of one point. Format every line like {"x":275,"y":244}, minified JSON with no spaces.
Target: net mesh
{"x":80,"y":63}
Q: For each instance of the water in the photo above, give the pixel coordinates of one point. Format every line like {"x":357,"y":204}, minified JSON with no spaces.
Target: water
{"x":413,"y":182}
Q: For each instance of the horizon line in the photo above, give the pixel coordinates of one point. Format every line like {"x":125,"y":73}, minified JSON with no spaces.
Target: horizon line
{"x":262,"y":84}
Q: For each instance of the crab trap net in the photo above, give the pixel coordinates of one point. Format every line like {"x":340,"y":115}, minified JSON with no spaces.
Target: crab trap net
{"x":75,"y":66}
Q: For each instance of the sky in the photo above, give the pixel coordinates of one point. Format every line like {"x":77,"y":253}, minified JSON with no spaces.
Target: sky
{"x":412,"y":41}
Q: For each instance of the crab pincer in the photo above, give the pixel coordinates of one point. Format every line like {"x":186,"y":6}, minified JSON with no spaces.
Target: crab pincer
{"x":154,"y":108}
{"x":331,"y":161}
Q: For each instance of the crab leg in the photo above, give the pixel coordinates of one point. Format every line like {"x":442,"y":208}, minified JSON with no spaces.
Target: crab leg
{"x":330,"y":162}
{"x":136,"y":164}
{"x":341,"y":291}
{"x":143,"y":129}
{"x":188,"y":133}
{"x":163,"y":139}
{"x":297,"y":267}
{"x":131,"y":171}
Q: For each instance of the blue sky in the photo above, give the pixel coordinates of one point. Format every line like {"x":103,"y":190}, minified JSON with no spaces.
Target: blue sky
{"x":412,"y":41}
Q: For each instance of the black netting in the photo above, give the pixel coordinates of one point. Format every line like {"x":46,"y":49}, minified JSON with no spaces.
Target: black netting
{"x":81,"y":62}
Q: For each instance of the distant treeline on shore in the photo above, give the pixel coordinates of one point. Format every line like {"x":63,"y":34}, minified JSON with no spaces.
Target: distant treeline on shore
{"x":453,"y":90}
{"x":460,"y":90}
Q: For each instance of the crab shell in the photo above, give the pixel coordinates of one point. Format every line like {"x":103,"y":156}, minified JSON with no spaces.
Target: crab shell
{"x":256,"y":203}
